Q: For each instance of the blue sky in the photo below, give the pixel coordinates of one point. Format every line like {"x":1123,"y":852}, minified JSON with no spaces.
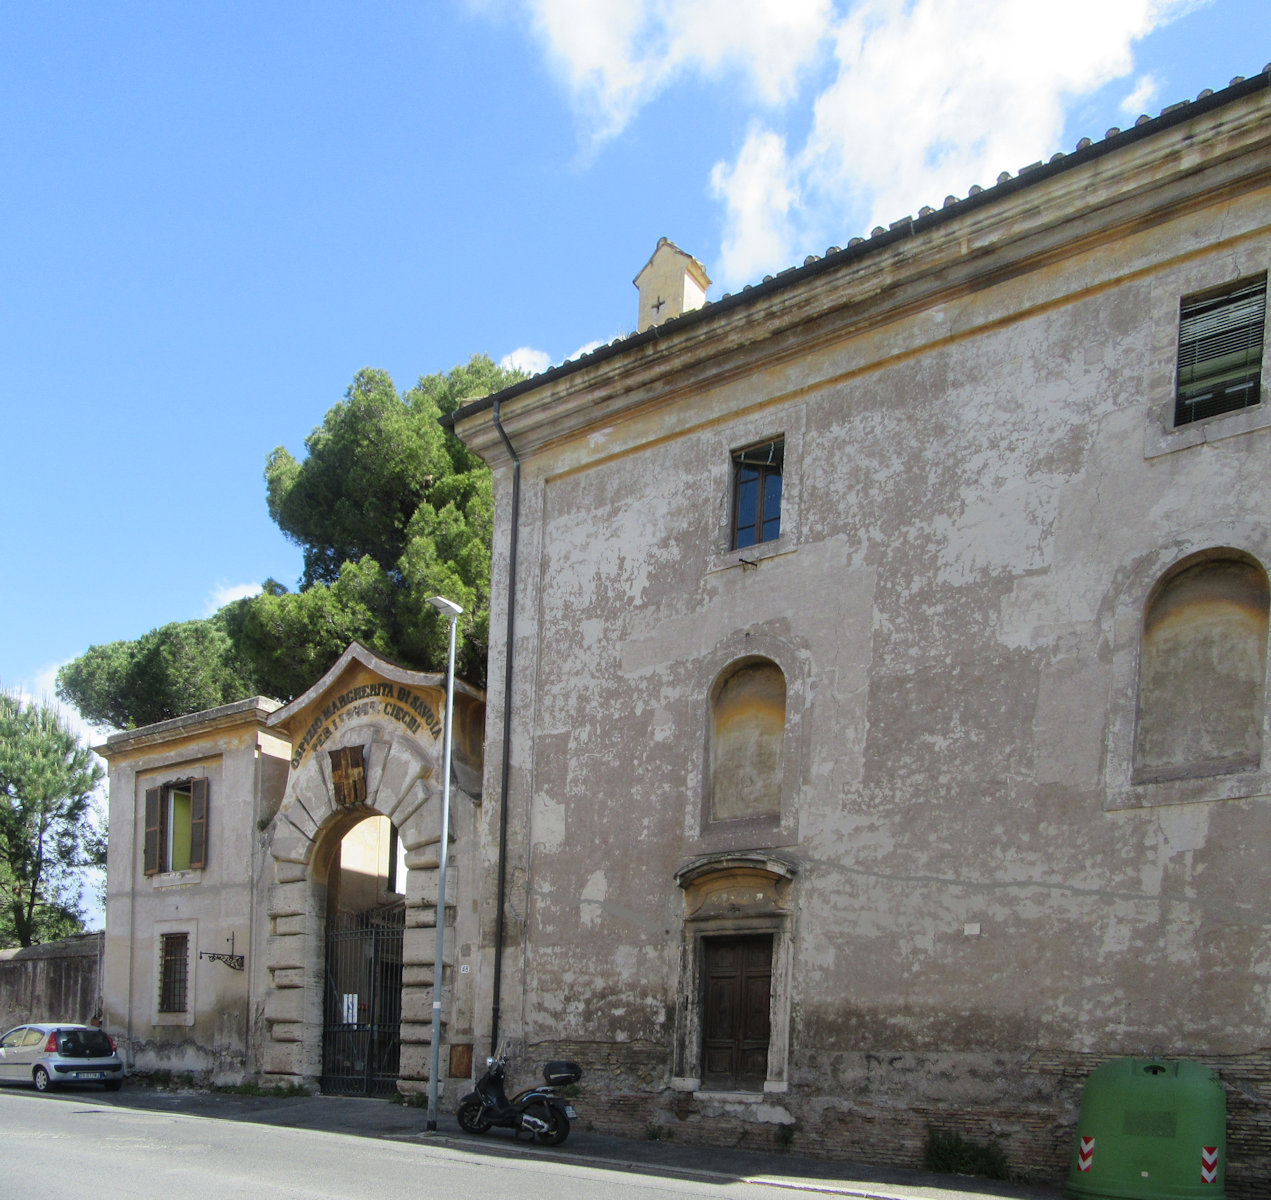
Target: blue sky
{"x":216,"y":213}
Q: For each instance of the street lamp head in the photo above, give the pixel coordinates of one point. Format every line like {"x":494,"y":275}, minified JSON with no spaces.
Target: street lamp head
{"x":447,"y":607}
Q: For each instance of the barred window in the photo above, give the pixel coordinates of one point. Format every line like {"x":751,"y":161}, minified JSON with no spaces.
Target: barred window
{"x":1220,"y":351}
{"x":174,"y":972}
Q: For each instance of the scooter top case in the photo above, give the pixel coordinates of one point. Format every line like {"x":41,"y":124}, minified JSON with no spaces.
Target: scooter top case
{"x":558,"y":1074}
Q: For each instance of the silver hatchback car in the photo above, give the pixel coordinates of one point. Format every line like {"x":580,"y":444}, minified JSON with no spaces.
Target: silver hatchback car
{"x":50,"y":1054}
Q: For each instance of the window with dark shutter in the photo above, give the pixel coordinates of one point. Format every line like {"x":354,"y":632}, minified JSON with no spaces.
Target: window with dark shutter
{"x":176,"y":816}
{"x":156,"y":832}
{"x":1220,"y":351}
{"x":198,"y":823}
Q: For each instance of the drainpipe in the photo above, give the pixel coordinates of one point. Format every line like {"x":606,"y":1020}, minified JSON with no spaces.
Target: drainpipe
{"x":507,"y":736}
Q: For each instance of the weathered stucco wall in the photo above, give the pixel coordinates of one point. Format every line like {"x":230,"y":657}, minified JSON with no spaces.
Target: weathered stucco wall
{"x":982,"y":488}
{"x":216,"y":906}
{"x":58,"y":981}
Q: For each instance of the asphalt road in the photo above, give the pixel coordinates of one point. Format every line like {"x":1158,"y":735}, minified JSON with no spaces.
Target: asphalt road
{"x":73,"y":1148}
{"x":143,"y":1144}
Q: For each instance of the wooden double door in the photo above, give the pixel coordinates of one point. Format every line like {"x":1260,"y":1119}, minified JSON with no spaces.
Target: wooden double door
{"x":736,"y":1002}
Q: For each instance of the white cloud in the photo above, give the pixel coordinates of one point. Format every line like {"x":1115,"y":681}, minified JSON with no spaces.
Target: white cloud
{"x":592,"y":46}
{"x":527,"y":359}
{"x":931,"y":97}
{"x":1146,"y":89}
{"x":758,"y":191}
{"x":535,"y":362}
{"x":923,"y":98}
{"x":43,"y":690}
{"x":771,"y":43}
{"x":615,"y":57}
{"x":226,"y":593}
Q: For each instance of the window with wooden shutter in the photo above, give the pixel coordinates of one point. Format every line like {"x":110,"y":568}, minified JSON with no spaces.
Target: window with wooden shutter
{"x":198,"y":823}
{"x":176,"y":817}
{"x":156,"y":831}
{"x":1220,"y":351}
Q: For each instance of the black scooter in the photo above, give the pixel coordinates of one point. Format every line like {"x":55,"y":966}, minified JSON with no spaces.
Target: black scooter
{"x":538,"y":1110}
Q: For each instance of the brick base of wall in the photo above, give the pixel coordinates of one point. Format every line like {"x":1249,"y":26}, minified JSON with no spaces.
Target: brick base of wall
{"x":625,"y":1091}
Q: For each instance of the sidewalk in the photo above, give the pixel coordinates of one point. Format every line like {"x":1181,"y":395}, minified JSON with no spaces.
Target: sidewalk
{"x":380,"y":1118}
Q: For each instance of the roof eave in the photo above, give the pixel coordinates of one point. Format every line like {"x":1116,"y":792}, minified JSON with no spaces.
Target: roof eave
{"x":860,"y":248}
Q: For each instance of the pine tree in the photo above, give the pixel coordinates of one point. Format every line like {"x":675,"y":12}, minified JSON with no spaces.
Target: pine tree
{"x":46,"y":830}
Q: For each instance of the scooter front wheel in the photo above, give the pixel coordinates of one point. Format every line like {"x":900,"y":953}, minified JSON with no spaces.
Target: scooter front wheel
{"x":472,"y":1117}
{"x":557,"y":1124}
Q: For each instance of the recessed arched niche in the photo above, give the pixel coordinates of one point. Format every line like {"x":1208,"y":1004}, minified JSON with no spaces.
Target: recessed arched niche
{"x":747,"y":737}
{"x":1202,"y":669}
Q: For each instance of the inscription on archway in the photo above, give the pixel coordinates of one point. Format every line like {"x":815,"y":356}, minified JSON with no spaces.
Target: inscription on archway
{"x":395,"y":701}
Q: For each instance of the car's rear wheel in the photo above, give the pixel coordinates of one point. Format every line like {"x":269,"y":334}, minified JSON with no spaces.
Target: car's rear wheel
{"x":41,"y":1078}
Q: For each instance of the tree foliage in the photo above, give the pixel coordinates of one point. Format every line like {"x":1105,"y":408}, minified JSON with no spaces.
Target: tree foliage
{"x":170,"y":671}
{"x":46,"y":834}
{"x":388,"y":508}
{"x":369,"y":466}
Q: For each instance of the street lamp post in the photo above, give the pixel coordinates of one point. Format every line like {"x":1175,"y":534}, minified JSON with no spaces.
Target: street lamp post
{"x":450,"y":609}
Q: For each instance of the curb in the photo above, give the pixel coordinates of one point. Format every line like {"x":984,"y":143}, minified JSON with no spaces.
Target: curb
{"x":824,"y":1187}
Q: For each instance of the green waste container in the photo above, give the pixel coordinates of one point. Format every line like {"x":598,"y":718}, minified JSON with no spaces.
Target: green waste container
{"x":1150,"y":1129}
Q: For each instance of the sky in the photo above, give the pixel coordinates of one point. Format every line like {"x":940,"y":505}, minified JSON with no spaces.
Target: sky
{"x":216,"y":213}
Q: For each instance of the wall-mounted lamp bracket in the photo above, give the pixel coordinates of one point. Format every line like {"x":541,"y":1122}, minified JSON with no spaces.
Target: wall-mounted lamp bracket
{"x":235,"y":962}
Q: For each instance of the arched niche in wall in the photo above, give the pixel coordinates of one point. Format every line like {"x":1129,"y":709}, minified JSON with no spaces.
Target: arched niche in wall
{"x":1202,"y":669}
{"x":747,"y":739}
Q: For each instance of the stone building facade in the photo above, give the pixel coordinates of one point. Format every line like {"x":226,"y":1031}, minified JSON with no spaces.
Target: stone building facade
{"x":271,"y":884}
{"x":878,"y":741}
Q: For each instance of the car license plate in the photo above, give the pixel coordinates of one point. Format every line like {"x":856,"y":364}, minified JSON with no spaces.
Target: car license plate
{"x":91,"y":1075}
{"x":570,"y":1113}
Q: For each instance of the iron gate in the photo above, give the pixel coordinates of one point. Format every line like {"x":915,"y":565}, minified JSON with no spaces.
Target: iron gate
{"x":362,"y":1008}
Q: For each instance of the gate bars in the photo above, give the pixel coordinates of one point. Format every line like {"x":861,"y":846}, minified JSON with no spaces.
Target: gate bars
{"x":362,"y":1007}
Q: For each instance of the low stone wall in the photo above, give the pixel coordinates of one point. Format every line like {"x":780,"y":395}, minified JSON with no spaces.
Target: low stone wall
{"x":58,"y":981}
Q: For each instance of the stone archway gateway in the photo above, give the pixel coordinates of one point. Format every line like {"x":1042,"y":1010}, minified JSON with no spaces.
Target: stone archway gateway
{"x":367,"y":742}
